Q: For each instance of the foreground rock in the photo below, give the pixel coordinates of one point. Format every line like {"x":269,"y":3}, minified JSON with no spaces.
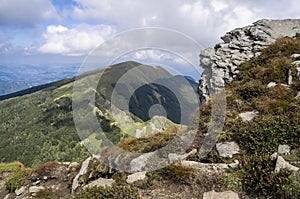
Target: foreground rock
{"x":220,"y":195}
{"x":33,"y":190}
{"x":136,"y":177}
{"x":282,"y":164}
{"x":227,"y":149}
{"x":284,"y":149}
{"x":210,"y":168}
{"x":101,"y":182}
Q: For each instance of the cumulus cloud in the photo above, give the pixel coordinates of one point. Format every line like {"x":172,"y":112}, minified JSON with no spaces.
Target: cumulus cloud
{"x":205,"y":21}
{"x":26,"y":13}
{"x":75,"y":41}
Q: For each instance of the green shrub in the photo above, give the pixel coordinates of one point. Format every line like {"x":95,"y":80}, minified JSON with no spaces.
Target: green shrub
{"x":259,"y":179}
{"x":11,"y":167}
{"x":115,"y":192}
{"x":17,"y":180}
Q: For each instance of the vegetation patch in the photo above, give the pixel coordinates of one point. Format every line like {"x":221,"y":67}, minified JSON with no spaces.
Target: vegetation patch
{"x":17,"y":180}
{"x":11,"y":167}
{"x":114,"y":192}
{"x":145,"y":145}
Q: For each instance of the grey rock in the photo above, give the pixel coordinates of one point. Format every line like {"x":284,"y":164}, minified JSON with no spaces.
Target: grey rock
{"x":240,"y":45}
{"x":295,"y":56}
{"x":271,"y":85}
{"x":227,"y":149}
{"x":135,"y":177}
{"x":175,"y":157}
{"x":20,"y":191}
{"x":284,"y":149}
{"x":36,"y":183}
{"x":73,"y":165}
{"x":83,"y":170}
{"x":210,"y":168}
{"x":298,"y":70}
{"x":101,"y":182}
{"x":34,"y":189}
{"x":138,"y":164}
{"x":298,"y":95}
{"x":220,"y":195}
{"x":282,"y":164}
{"x":274,"y":156}
{"x":290,"y":78}
{"x":248,"y":116}
{"x":7,"y":196}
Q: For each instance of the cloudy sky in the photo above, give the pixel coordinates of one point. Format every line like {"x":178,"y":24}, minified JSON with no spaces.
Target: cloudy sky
{"x":65,"y":31}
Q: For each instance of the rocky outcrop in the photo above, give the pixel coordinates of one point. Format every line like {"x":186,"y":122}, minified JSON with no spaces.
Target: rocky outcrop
{"x":220,"y":64}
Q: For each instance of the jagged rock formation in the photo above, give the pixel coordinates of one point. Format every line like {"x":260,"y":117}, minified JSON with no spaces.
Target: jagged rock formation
{"x":220,"y":63}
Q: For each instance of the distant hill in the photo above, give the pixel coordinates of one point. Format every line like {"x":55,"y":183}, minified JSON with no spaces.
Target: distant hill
{"x":9,"y":87}
{"x":18,"y":77}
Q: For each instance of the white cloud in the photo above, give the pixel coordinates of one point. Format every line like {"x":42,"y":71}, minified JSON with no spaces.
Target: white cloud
{"x":26,"y":13}
{"x":75,"y":41}
{"x":205,"y":21}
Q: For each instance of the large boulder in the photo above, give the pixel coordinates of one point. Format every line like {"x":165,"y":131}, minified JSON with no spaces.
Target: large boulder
{"x":220,"y":64}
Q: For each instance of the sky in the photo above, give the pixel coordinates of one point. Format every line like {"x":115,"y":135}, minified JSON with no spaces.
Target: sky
{"x":41,"y":32}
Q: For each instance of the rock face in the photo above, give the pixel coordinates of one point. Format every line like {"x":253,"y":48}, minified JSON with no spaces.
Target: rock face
{"x":221,"y":63}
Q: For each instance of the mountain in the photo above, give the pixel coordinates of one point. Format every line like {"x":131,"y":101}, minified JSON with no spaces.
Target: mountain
{"x":37,"y":124}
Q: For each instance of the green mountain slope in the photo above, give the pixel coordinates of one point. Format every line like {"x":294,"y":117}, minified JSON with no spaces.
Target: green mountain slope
{"x":36,"y":124}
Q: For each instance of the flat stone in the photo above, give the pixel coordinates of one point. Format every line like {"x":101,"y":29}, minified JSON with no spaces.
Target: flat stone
{"x":210,"y":168}
{"x":101,"y":182}
{"x":220,"y":195}
{"x":248,"y":116}
{"x":36,"y":183}
{"x":284,"y":149}
{"x":175,"y":157}
{"x":295,"y":56}
{"x":7,"y":196}
{"x":135,"y":177}
{"x":227,"y":149}
{"x":20,"y":191}
{"x":34,"y":189}
{"x":271,"y":85}
{"x":282,"y":164}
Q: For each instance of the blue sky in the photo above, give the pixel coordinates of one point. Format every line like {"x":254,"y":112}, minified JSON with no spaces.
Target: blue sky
{"x":65,"y":31}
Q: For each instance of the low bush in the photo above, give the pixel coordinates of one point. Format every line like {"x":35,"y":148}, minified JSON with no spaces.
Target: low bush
{"x":17,"y":180}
